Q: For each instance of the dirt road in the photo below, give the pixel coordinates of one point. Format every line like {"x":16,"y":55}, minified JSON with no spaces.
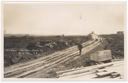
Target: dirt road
{"x":35,"y":68}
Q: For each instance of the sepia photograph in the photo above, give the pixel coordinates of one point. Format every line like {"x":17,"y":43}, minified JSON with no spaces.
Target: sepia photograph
{"x":64,"y":40}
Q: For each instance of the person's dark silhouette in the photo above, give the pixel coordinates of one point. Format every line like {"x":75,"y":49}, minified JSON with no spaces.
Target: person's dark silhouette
{"x":80,"y":48}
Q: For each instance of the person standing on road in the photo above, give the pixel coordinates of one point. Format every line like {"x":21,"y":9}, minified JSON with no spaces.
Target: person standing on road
{"x":80,"y":48}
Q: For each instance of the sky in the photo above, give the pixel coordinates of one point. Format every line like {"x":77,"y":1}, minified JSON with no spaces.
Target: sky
{"x":64,"y":18}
